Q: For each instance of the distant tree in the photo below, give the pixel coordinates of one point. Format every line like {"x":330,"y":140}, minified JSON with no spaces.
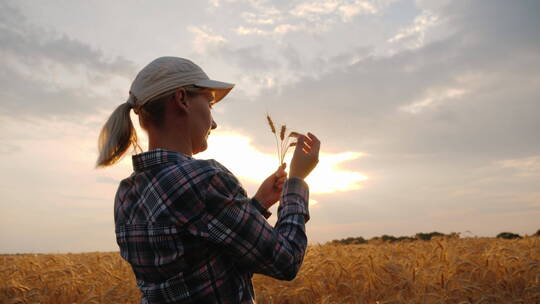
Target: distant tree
{"x":428,"y":236}
{"x":405,"y":238}
{"x":392,"y":239}
{"x":360,"y":240}
{"x":388,"y":238}
{"x":423,"y":236}
{"x":350,"y":240}
{"x":437,"y":234}
{"x":537,"y":233}
{"x":508,"y":235}
{"x":375,"y":238}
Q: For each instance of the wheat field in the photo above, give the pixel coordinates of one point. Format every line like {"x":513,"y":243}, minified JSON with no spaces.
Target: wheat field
{"x":470,"y":270}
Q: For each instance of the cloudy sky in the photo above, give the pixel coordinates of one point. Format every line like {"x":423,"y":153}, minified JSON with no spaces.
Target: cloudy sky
{"x":428,"y":111}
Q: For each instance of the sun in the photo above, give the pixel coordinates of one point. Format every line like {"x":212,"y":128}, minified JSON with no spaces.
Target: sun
{"x":236,"y":152}
{"x":330,"y":177}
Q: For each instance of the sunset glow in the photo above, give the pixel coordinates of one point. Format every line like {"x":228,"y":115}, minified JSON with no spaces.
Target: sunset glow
{"x":237,"y":153}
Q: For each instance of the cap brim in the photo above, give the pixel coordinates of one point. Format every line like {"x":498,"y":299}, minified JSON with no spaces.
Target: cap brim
{"x":220,"y":88}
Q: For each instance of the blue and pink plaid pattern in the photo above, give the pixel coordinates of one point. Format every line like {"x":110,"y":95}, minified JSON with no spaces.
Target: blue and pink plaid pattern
{"x":192,"y":235}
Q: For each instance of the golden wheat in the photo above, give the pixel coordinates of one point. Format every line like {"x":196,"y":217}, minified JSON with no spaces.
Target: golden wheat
{"x":471,"y":270}
{"x":271,"y":123}
{"x":283,"y":145}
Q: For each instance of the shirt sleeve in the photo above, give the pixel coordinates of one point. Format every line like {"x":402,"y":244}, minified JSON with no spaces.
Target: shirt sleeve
{"x":261,"y":208}
{"x":238,"y":228}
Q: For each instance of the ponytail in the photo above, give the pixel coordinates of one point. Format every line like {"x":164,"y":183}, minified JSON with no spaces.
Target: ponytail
{"x":116,"y":136}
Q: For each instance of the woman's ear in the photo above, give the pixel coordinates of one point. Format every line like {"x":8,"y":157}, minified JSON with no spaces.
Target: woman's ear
{"x":180,"y":99}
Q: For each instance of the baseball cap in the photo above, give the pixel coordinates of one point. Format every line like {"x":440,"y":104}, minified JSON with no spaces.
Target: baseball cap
{"x":168,"y":73}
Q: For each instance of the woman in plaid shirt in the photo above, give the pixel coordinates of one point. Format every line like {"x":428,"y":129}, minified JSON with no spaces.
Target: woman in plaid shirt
{"x":186,"y":226}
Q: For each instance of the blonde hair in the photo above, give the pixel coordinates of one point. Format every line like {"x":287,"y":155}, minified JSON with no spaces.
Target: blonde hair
{"x":118,"y":133}
{"x":116,"y":136}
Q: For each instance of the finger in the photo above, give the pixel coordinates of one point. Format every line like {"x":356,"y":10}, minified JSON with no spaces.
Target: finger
{"x":305,"y":143}
{"x":315,"y":143}
{"x":313,"y":140}
{"x":279,"y":184}
{"x":280,"y":171}
{"x":306,"y":148}
{"x":300,"y":140}
{"x":299,"y":143}
{"x":281,"y":174}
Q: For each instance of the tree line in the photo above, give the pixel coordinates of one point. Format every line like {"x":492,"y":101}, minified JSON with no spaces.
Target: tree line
{"x":418,"y":237}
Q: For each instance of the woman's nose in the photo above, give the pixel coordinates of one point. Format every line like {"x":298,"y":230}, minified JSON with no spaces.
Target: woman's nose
{"x":214,"y":124}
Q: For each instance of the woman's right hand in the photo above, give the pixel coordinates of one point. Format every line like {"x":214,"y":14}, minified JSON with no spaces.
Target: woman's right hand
{"x":306,"y":156}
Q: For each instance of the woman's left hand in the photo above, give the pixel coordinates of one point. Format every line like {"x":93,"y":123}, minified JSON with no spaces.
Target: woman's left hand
{"x":270,"y":190}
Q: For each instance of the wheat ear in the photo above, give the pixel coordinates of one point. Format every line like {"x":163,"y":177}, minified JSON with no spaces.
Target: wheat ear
{"x":273,"y":129}
{"x":286,"y":144}
{"x":283,"y":143}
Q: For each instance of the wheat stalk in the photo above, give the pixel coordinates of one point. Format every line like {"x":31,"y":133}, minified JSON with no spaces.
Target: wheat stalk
{"x":282,"y":143}
{"x":287,"y":145}
{"x":273,"y":129}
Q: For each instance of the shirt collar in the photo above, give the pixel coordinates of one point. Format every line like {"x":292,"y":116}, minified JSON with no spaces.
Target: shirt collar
{"x":145,"y":160}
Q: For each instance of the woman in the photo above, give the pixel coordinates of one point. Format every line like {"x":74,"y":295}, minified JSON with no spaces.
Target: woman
{"x":186,"y":226}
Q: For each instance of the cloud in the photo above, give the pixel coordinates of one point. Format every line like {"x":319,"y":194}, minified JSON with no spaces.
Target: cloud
{"x":266,"y":18}
{"x":434,"y":97}
{"x":247,"y":58}
{"x":22,"y":96}
{"x":314,"y":17}
{"x":472,"y":85}
{"x":278,"y":30}
{"x":314,"y":10}
{"x":523,"y":167}
{"x":286,"y":28}
{"x":214,"y":3}
{"x":413,"y":35}
{"x":7,"y":148}
{"x":431,"y":117}
{"x":205,"y":38}
{"x":253,"y":65}
{"x":270,"y":59}
{"x":250,"y":31}
{"x":348,"y":11}
{"x":46,"y":74}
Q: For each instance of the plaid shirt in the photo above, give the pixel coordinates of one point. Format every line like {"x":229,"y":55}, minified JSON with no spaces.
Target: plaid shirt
{"x":192,"y":235}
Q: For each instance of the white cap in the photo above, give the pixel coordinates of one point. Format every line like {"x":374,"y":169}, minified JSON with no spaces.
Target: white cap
{"x":168,"y":73}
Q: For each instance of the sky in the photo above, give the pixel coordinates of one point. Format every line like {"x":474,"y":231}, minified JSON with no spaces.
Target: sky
{"x":428,"y":112}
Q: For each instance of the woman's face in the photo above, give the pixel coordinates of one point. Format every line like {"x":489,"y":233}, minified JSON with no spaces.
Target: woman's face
{"x":202,"y":122}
